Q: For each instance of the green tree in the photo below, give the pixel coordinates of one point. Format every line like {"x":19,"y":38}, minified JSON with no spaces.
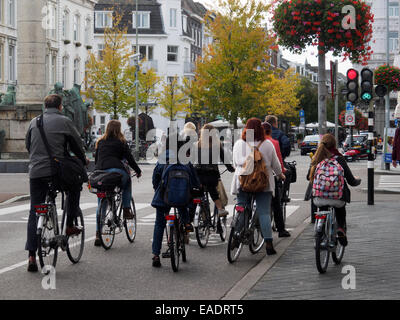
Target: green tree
{"x":109,"y":77}
{"x":173,"y":100}
{"x":148,"y":81}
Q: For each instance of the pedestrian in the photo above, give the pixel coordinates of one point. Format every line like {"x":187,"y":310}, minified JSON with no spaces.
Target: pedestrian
{"x":167,"y":161}
{"x":61,"y":135}
{"x":111,"y":150}
{"x":241,"y":150}
{"x":276,"y":199}
{"x":396,"y":148}
{"x":327,"y":150}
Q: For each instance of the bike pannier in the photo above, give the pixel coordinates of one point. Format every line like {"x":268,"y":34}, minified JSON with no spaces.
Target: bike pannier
{"x":101,"y":180}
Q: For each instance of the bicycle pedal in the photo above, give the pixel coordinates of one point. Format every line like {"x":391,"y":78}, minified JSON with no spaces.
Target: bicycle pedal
{"x":166,"y":255}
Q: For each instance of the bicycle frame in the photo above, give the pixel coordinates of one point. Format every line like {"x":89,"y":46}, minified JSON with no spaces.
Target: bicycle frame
{"x":326,"y":224}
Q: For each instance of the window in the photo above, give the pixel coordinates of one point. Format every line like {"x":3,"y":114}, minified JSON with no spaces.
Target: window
{"x":171,"y":79}
{"x":172,"y":54}
{"x":53,"y":69}
{"x":76,"y":71}
{"x":11,"y":11}
{"x":65,"y":25}
{"x":393,"y":9}
{"x":172,"y":18}
{"x":393,"y":41}
{"x":100,"y":49}
{"x":65,"y":71}
{"x":94,"y":120}
{"x":142,"y":21}
{"x":102,"y":124}
{"x":184,"y":24}
{"x":1,"y":10}
{"x":104,"y":19}
{"x":11,"y":57}
{"x":186,"y":56}
{"x":77,"y":27}
{"x":146,"y":51}
{"x":87,"y":30}
{"x":53,"y":28}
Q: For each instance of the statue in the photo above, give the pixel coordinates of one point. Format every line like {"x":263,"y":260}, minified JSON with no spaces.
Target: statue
{"x":8,"y":99}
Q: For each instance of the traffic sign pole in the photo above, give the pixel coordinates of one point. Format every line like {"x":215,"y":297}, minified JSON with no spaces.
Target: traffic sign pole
{"x":370,"y":155}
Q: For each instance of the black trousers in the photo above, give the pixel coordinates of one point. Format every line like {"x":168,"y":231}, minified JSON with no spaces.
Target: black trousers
{"x":38,"y":191}
{"x":277,"y":208}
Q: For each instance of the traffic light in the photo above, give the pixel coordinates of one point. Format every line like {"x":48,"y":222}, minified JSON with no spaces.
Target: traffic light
{"x":380,"y":90}
{"x":366,"y":84}
{"x":352,"y":85}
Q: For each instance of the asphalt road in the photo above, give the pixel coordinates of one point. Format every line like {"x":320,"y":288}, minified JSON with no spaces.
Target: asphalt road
{"x":125,"y":271}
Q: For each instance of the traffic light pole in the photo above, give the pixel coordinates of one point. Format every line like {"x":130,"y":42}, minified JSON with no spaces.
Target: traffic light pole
{"x":370,"y":154}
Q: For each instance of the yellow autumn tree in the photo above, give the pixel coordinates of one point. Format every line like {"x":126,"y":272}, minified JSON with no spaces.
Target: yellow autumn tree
{"x":148,"y":80}
{"x":281,"y":95}
{"x":172,"y":100}
{"x":234,"y":67}
{"x":109,"y":76}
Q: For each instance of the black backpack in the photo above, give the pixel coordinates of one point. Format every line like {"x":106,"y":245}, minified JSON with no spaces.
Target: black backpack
{"x":101,"y":180}
{"x":176,"y":184}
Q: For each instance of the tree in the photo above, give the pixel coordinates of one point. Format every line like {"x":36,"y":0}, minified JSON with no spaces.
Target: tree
{"x":308,"y":96}
{"x":234,"y":67}
{"x":172,"y":100}
{"x":110,"y":78}
{"x":147,"y":90}
{"x":300,"y":23}
{"x":280,"y":95}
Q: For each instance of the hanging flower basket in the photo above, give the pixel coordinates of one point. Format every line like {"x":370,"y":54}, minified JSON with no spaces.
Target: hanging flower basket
{"x":388,"y":76}
{"x":67,"y":41}
{"x":78,"y":44}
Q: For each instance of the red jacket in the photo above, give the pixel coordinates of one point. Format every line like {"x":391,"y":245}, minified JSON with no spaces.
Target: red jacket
{"x":396,"y":146}
{"x":278,"y":152}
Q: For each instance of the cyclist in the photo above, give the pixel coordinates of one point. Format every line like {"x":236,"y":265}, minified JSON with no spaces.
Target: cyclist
{"x":210,"y":152}
{"x":166,"y":158}
{"x":62,"y":136}
{"x":326,"y":150}
{"x":241,"y":151}
{"x":111,"y":150}
{"x":276,"y":199}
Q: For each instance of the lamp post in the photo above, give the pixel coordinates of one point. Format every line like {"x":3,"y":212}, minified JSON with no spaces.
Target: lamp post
{"x":137,"y":88}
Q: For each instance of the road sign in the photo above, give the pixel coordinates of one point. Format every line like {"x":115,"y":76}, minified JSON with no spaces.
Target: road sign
{"x":302,"y":120}
{"x":349,"y":107}
{"x":349,"y":119}
{"x":301,"y":113}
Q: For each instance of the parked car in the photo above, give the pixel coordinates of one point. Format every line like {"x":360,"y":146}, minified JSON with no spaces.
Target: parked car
{"x":358,"y":149}
{"x":309,"y":144}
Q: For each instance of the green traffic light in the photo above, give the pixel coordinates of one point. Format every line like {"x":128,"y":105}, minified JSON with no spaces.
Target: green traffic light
{"x":366,"y":96}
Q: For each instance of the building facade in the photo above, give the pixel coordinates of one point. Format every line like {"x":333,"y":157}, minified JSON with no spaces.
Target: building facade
{"x":170,"y":36}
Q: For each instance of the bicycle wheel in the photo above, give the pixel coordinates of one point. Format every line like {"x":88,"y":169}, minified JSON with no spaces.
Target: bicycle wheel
{"x":173,"y":244}
{"x":47,"y":245}
{"x":234,"y":246}
{"x":76,"y":243}
{"x":106,"y":224}
{"x":257,"y":240}
{"x":203,"y":229}
{"x":222,"y":228}
{"x":321,"y":252}
{"x":130,"y":224}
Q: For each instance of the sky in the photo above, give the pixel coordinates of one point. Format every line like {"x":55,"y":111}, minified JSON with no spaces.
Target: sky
{"x":310,"y":54}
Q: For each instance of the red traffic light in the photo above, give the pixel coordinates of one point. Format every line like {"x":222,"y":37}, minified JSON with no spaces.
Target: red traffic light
{"x":352,"y":74}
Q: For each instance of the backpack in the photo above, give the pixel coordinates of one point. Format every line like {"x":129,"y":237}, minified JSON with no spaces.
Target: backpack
{"x":101,"y":180}
{"x":328,"y":180}
{"x":176,"y":185}
{"x":254,"y":175}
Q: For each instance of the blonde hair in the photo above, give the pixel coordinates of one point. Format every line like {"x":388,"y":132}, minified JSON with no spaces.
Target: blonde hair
{"x":327,"y":142}
{"x":113,"y":130}
{"x":213,"y":138}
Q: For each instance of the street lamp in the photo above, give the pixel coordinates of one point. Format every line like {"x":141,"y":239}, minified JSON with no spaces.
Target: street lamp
{"x":137,"y":86}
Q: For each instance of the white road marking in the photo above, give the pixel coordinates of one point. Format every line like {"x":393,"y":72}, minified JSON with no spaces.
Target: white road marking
{"x":389,"y":181}
{"x":290,"y":210}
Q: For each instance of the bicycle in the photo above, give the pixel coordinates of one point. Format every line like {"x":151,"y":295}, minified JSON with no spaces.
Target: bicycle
{"x":204,"y":222}
{"x":175,"y":233}
{"x":109,"y":219}
{"x":326,"y":240}
{"x":48,"y":230}
{"x":246,"y":231}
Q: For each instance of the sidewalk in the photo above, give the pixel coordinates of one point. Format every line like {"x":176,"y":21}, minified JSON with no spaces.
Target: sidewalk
{"x":373,"y":251}
{"x":6,"y":198}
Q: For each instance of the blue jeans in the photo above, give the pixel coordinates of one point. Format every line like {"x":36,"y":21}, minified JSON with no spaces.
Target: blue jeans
{"x":126,"y":191}
{"x":159,"y":226}
{"x":263,"y":203}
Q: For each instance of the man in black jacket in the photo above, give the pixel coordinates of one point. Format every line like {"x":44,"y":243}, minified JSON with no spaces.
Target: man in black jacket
{"x":61,"y":135}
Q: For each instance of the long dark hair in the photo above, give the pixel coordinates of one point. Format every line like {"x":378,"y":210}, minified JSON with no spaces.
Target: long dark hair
{"x":328,"y":142}
{"x":113,"y":130}
{"x":254,"y":124}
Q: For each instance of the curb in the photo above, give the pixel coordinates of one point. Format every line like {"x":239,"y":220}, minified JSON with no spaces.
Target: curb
{"x":382,"y":190}
{"x":16,"y":199}
{"x":250,"y":279}
{"x":387,"y":172}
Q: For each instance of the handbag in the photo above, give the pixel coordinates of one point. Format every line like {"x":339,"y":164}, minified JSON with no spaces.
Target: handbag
{"x":69,"y":172}
{"x":222,"y":193}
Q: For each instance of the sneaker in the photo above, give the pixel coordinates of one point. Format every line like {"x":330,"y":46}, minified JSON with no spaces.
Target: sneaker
{"x":283,"y":234}
{"x":73,"y":231}
{"x":189,"y":228}
{"x":97,"y":242}
{"x":222,"y":213}
{"x":32,"y":266}
{"x":128,"y":214}
{"x":156,"y":262}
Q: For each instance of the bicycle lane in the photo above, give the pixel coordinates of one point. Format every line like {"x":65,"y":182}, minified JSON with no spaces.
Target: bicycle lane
{"x":369,"y":270}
